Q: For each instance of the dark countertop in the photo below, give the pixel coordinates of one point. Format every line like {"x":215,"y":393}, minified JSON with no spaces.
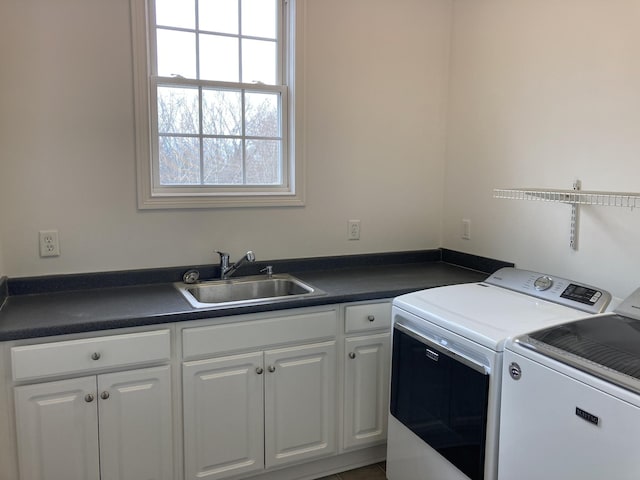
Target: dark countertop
{"x":92,"y":309}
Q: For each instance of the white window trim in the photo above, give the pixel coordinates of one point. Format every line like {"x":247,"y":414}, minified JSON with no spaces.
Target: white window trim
{"x":151,"y":198}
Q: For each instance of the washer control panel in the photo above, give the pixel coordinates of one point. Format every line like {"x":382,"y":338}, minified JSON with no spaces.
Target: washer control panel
{"x":553,"y":289}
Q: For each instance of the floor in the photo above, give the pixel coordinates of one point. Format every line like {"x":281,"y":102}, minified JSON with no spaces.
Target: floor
{"x":371,"y":472}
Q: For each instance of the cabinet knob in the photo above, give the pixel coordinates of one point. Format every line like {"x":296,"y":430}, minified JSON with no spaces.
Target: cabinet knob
{"x":271,"y":368}
{"x":89,"y":397}
{"x":259,"y":370}
{"x":371,"y":318}
{"x":104,"y":395}
{"x":352,"y":355}
{"x":95,"y":356}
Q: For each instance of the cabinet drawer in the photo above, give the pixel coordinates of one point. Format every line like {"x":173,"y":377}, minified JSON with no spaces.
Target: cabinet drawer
{"x":252,"y":334}
{"x":88,"y":354}
{"x":370,"y":316}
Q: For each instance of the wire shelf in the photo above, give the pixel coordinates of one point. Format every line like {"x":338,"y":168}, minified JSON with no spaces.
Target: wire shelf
{"x":575,"y":197}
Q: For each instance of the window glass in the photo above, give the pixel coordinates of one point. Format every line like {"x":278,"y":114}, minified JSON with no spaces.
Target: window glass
{"x":221,"y":112}
{"x":259,"y":60}
{"x":179,"y":160}
{"x":223,"y":161}
{"x":176,"y":13}
{"x":263,"y":162}
{"x":220,"y":16}
{"x":219,"y":58}
{"x":262,"y":115}
{"x":176,"y":53}
{"x":258,"y":19}
{"x":178,"y":110}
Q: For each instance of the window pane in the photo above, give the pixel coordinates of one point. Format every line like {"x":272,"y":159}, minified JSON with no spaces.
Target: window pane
{"x":221,"y":112}
{"x":179,"y":161}
{"x":222,"y":161}
{"x":259,"y":61}
{"x":176,"y":53}
{"x":178,"y":110}
{"x":259,"y":18}
{"x":263,"y":162}
{"x":176,"y":13}
{"x":262,"y":114}
{"x":219,"y":58}
{"x":218,"y":16}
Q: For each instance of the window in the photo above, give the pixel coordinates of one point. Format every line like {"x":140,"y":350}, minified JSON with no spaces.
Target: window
{"x":214,"y":103}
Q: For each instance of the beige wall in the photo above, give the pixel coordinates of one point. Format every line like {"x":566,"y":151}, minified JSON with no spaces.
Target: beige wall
{"x":2,"y":268}
{"x":539,"y":94}
{"x":375,"y":84}
{"x":543,"y":93}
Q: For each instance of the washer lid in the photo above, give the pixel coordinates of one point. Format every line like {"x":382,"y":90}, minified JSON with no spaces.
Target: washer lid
{"x":607,"y":346}
{"x":486,"y":314}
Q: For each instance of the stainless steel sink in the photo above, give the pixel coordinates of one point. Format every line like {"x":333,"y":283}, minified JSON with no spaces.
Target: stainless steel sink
{"x":246,"y":290}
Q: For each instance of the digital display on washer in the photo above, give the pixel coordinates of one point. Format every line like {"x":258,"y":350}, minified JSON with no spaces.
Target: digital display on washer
{"x":581,"y":294}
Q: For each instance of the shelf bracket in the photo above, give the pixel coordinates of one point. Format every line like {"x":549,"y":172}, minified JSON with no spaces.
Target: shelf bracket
{"x":575,"y":218}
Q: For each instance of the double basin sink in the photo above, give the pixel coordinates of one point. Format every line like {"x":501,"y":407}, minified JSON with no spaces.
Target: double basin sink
{"x":246,"y":291}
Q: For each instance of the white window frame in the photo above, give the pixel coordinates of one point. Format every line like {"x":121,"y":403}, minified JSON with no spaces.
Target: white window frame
{"x":151,"y":195}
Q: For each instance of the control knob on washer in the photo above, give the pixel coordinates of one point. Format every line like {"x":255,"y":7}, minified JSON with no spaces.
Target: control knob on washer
{"x":543,"y":283}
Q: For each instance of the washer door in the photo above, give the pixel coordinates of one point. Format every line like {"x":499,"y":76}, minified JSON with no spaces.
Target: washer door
{"x":442,"y":398}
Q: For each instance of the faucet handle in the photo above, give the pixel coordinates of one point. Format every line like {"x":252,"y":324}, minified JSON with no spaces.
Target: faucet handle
{"x":222,"y":254}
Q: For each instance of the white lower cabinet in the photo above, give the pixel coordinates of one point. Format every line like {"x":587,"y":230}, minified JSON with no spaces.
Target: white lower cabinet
{"x":135,"y":420}
{"x":247,"y":412}
{"x":58,"y":430}
{"x":300,"y":403}
{"x":367,"y":361}
{"x":366,"y":390}
{"x":259,"y":398}
{"x":105,"y":427}
{"x":223,"y":416}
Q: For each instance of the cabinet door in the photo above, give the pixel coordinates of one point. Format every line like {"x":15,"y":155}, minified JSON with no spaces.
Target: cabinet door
{"x":57,"y":430}
{"x":300,"y":403}
{"x":366,"y":389}
{"x":223,"y":416}
{"x":135,"y":418}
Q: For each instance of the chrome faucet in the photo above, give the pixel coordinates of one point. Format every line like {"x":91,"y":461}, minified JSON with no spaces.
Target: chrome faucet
{"x":225,"y":270}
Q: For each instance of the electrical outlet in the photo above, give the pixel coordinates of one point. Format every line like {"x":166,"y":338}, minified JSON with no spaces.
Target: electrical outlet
{"x":354,"y":230}
{"x":49,"y":243}
{"x":466,"y":229}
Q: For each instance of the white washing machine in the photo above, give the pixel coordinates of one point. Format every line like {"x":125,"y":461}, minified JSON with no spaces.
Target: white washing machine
{"x":571,"y":400}
{"x":447,"y":349}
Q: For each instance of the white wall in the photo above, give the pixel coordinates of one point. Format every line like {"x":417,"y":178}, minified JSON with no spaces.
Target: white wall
{"x":375,"y":81}
{"x":543,"y":93}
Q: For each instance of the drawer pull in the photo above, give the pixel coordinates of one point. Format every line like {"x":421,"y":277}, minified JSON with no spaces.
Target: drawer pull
{"x":95,"y":356}
{"x":104,"y":395}
{"x":89,"y":397}
{"x":371,"y":318}
{"x":352,"y":355}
